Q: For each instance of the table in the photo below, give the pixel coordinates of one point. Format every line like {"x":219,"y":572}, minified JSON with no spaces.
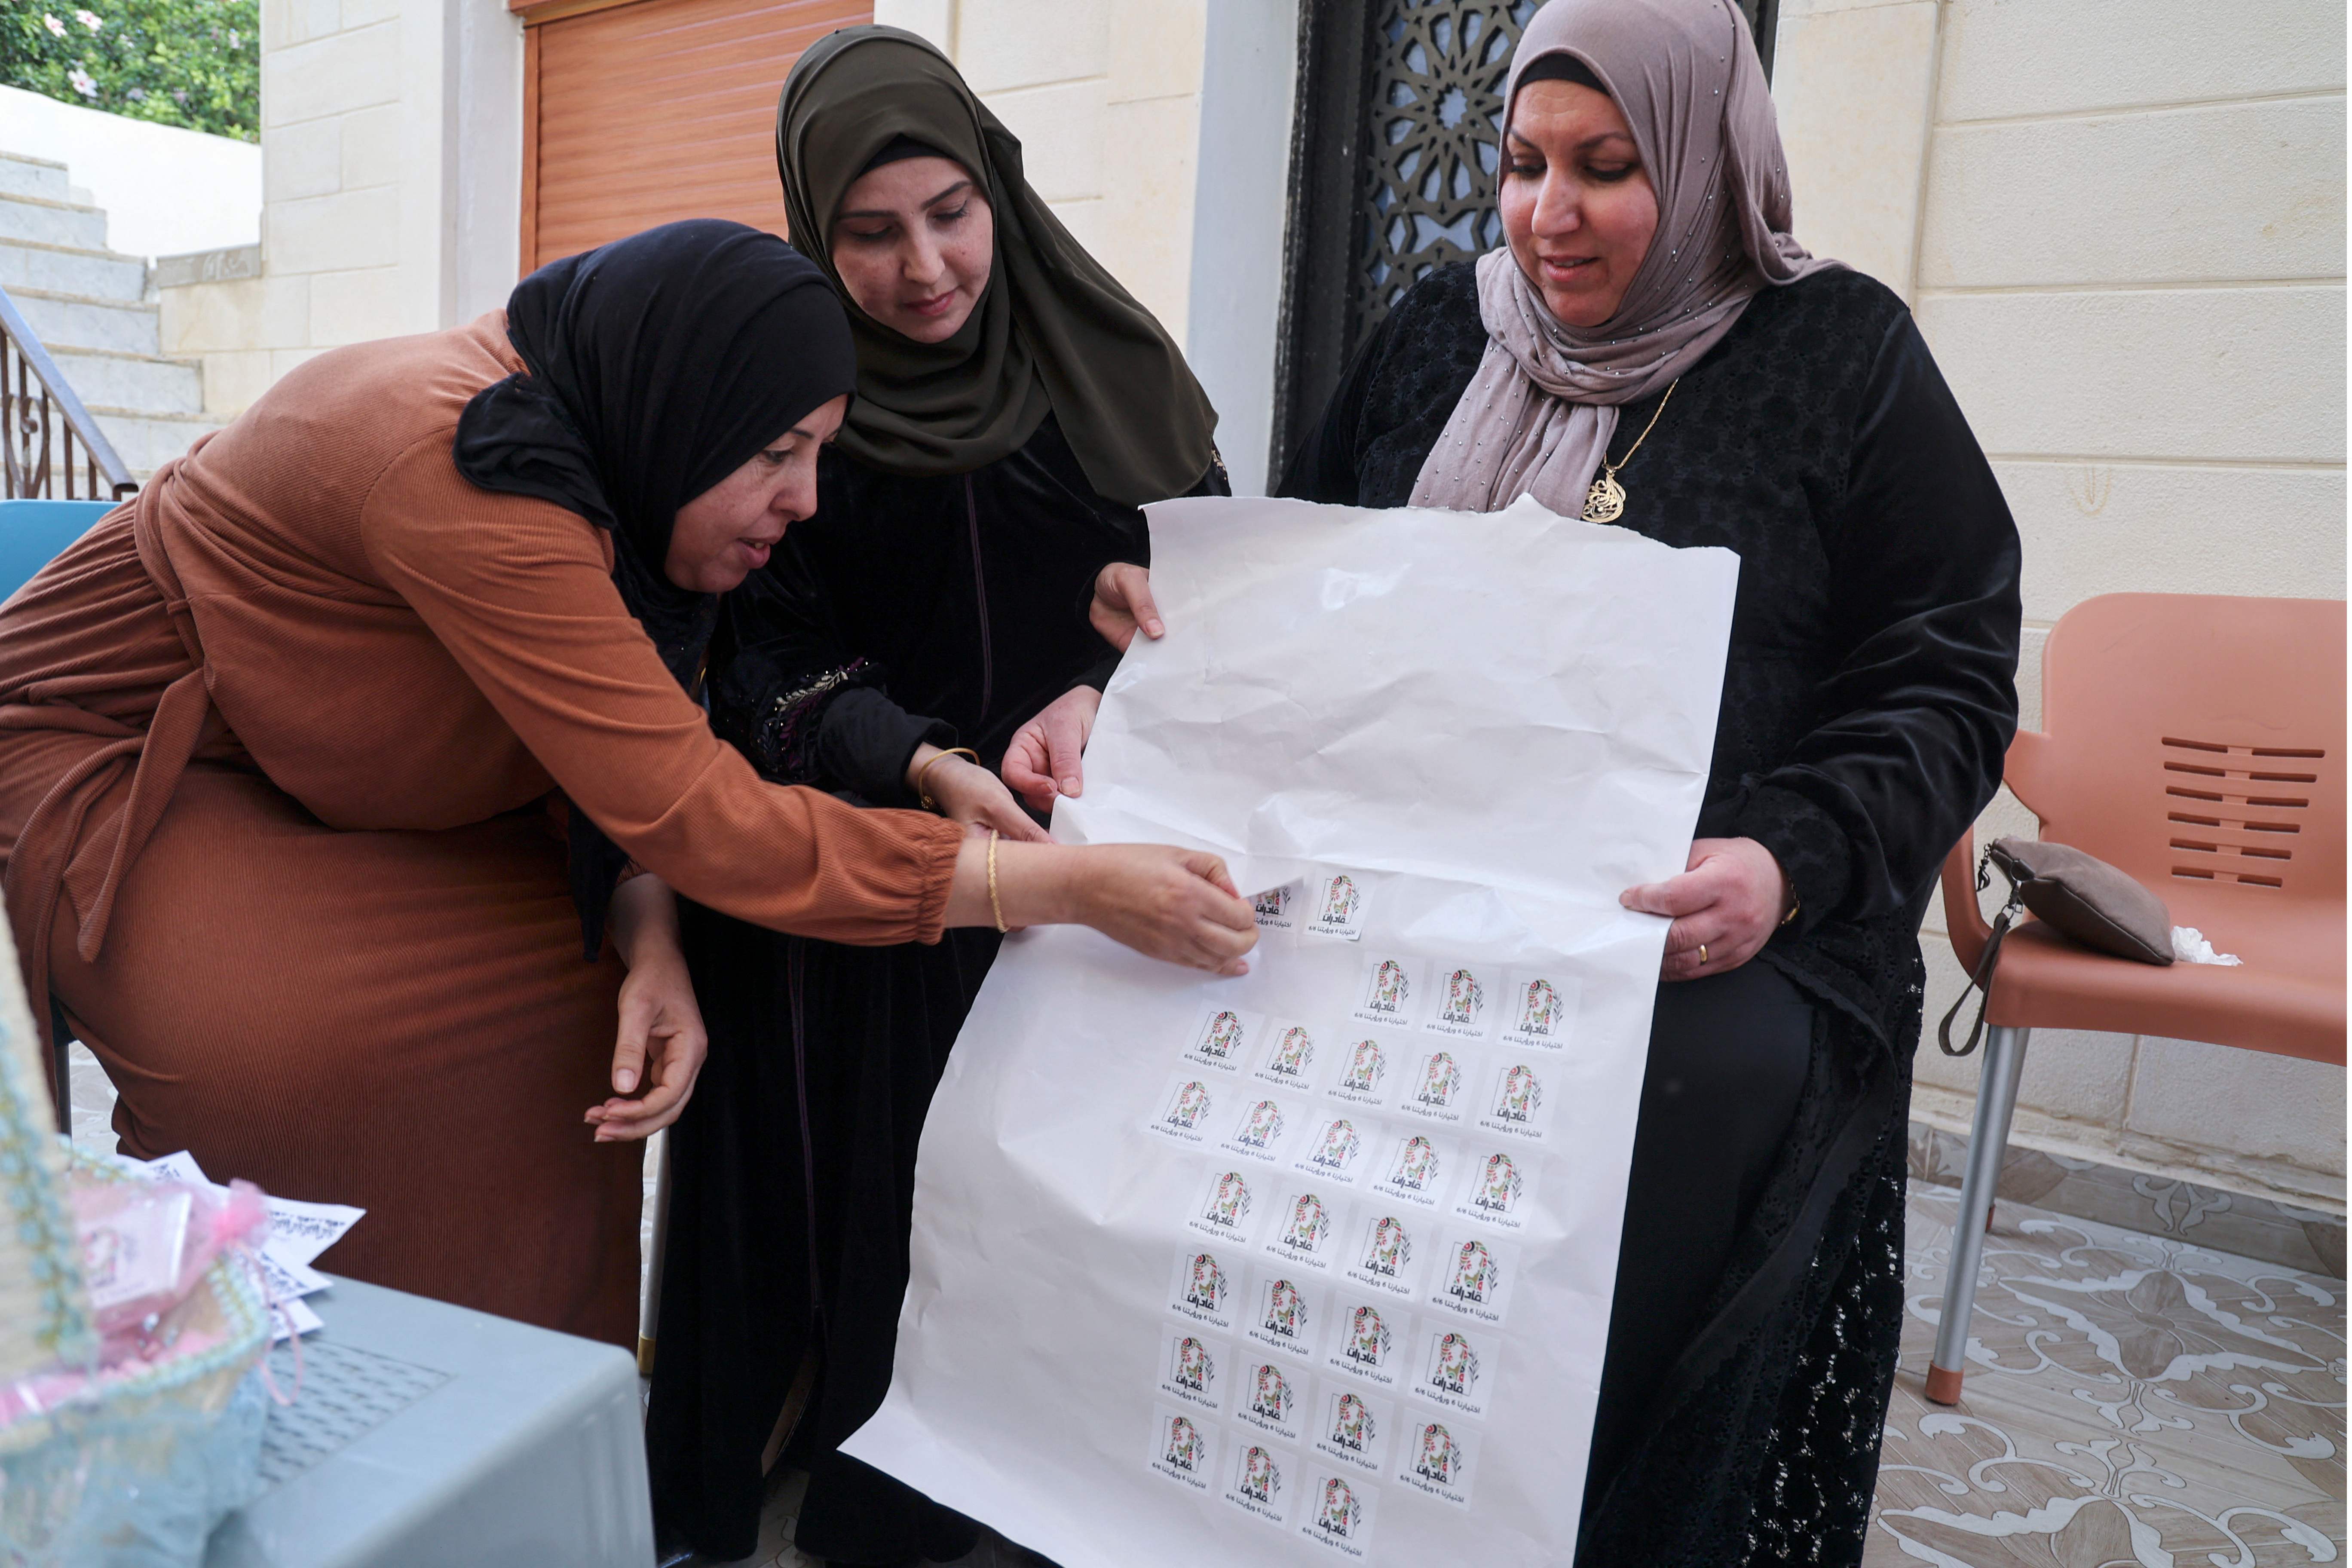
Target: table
{"x":428,"y":1433}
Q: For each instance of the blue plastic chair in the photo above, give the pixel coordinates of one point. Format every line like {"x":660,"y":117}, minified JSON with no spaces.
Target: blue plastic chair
{"x":31,"y":534}
{"x":33,"y":531}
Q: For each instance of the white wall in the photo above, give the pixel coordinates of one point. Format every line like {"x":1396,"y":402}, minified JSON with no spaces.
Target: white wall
{"x":392,"y":143}
{"x":165,"y":190}
{"x":2121,"y":226}
{"x":1241,"y":208}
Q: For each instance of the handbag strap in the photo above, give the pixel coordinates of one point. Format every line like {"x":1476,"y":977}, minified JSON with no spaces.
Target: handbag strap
{"x":1981,"y":980}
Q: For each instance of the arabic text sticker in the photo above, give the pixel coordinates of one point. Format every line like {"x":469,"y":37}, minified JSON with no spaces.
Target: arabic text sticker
{"x":1188,"y":1107}
{"x":1453,"y":1365}
{"x":1193,"y":1368}
{"x":1220,"y":1039}
{"x":1230,"y":1204}
{"x":1353,"y":1426}
{"x":1538,"y":1008}
{"x":1309,"y":1226}
{"x":1261,"y":1478}
{"x":1500,"y":1186}
{"x":1257,"y":1125}
{"x":1411,"y":1165}
{"x":1336,"y":906}
{"x":1286,"y":1310}
{"x":1338,"y":1511}
{"x":1371,"y":1340}
{"x":1277,"y":909}
{"x":1270,"y":1396}
{"x":1336,"y":1146}
{"x":1385,"y":1249}
{"x":1463,"y":1000}
{"x":1183,"y":1446}
{"x":1366,"y":1069}
{"x":1288,"y":1054}
{"x":1438,"y":1455}
{"x":1389,"y":994}
{"x":1519,"y":1094}
{"x":1475,"y":1276}
{"x":1438,"y":1083}
{"x":1206,"y":1286}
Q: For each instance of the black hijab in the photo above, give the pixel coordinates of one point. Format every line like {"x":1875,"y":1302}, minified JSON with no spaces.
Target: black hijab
{"x":659,"y":365}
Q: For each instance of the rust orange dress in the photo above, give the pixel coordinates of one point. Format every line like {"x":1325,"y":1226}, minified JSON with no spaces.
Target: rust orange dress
{"x":278,"y":739}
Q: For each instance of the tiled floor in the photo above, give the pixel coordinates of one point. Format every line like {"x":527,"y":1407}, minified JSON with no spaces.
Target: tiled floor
{"x":2132,"y":1400}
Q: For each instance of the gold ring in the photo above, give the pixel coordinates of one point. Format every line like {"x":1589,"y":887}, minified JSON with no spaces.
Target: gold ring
{"x":1702,"y":955}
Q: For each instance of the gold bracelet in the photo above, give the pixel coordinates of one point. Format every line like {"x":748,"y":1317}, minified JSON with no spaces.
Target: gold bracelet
{"x":994,"y":907}
{"x":923,"y":778}
{"x":1794,"y":905}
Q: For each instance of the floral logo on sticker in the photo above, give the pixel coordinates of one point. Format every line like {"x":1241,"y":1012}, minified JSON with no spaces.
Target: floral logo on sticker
{"x":1498,"y":1184}
{"x":1340,"y":1513}
{"x":1540,"y":1010}
{"x":1519,"y":1096}
{"x":1352,"y":1426}
{"x":1222,"y":1036}
{"x":1183,"y":1443}
{"x":1364,"y":1066}
{"x":1390,"y":990}
{"x":1338,"y":1146}
{"x":1291,"y":1053}
{"x":1193,"y":1369}
{"x":1271,"y":1397}
{"x":1260,"y":1127}
{"x":1260,"y":1479}
{"x":1477,"y":1275}
{"x":1204,"y":1283}
{"x":1307,"y":1224}
{"x":1465,"y":998}
{"x":1416,"y":1164}
{"x":1439,"y":1457}
{"x":1272,"y":904}
{"x":1230,"y":1202}
{"x":1286,"y":1310}
{"x":1441,"y":1075}
{"x":1455,"y":1366}
{"x":1389,"y":1249}
{"x":1341,"y":901}
{"x":1190,"y":1104}
{"x":1368,"y":1338}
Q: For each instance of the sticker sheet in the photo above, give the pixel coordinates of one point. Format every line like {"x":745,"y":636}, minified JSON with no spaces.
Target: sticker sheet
{"x":1314,"y":1264}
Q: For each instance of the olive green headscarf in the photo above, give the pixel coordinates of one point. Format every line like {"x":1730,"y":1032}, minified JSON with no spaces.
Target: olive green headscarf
{"x":1054,"y":331}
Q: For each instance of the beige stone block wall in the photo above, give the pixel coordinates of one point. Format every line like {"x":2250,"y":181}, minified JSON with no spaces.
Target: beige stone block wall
{"x":1106,"y":102}
{"x":2122,"y":229}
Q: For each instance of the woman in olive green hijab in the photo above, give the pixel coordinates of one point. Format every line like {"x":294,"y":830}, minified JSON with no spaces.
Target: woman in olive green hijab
{"x":1014,"y":406}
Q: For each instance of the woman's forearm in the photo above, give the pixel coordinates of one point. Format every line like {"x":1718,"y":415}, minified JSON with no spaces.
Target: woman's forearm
{"x":643,"y":919}
{"x":1036,"y":884}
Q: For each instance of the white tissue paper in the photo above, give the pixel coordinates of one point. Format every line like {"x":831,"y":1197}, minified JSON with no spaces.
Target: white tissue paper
{"x":1315,"y":1264}
{"x":2189,"y":946}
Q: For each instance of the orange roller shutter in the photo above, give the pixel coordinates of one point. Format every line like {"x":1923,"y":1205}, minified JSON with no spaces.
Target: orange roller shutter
{"x":644,"y":112}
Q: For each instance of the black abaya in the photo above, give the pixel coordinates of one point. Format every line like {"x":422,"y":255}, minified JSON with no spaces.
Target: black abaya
{"x":944,"y":609}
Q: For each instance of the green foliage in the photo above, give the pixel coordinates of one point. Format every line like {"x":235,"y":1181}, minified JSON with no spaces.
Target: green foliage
{"x":195,"y":63}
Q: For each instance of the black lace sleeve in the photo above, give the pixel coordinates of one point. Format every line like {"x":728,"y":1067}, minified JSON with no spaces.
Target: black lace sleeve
{"x":1924,"y":584}
{"x":788,"y":696}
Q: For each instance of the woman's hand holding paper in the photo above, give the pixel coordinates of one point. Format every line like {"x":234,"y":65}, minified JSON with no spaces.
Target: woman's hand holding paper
{"x":1123,"y":602}
{"x":1044,"y":760}
{"x":1728,"y":901}
{"x":968,"y":793}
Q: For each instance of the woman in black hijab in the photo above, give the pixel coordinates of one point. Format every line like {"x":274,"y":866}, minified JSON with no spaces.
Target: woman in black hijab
{"x":1014,"y":408}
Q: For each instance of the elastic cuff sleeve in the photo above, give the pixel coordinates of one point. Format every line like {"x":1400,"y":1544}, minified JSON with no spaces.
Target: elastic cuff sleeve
{"x":1807,"y":843}
{"x":866,"y":741}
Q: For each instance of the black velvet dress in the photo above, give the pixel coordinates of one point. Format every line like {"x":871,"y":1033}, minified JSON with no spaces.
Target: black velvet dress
{"x":1867,"y":704}
{"x":943,"y":609}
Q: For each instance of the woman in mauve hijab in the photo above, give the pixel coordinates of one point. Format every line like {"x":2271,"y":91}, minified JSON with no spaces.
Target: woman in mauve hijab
{"x":1015,"y":408}
{"x":1653,"y":348}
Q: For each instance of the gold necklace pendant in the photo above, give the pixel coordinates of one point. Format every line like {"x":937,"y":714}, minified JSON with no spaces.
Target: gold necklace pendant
{"x":1605,"y":501}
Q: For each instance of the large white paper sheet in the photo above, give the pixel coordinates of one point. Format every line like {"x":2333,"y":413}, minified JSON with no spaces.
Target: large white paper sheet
{"x":1315,"y":1264}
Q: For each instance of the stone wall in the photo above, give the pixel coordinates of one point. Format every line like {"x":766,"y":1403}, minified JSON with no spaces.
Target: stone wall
{"x":2121,"y":224}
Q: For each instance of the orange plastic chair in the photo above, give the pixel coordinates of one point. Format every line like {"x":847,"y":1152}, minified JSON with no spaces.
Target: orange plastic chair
{"x":2197,"y":744}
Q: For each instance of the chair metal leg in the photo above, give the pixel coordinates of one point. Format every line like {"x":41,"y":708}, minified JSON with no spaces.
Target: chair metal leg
{"x":649,"y":1302}
{"x":2004,"y":1060}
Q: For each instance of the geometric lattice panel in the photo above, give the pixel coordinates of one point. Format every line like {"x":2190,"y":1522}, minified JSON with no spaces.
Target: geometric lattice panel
{"x":345,"y":1394}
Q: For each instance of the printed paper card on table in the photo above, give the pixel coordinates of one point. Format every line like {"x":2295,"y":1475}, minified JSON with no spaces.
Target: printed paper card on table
{"x":1315,"y":1265}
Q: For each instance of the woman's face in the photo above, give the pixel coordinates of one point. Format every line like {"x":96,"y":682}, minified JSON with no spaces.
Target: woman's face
{"x":1578,"y":209}
{"x":724,"y":534}
{"x":913,"y":242}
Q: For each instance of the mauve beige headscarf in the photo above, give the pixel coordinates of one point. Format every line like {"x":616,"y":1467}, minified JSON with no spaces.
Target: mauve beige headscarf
{"x":1537,"y":418}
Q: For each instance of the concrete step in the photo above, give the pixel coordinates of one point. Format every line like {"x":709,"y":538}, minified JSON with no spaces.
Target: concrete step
{"x":147,"y":381}
{"x":146,"y":441}
{"x":89,"y":322}
{"x":52,"y":222}
{"x":23,"y":176}
{"x":72,"y":269}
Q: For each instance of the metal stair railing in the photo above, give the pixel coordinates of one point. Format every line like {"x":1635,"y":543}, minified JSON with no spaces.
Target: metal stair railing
{"x":41,"y":421}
